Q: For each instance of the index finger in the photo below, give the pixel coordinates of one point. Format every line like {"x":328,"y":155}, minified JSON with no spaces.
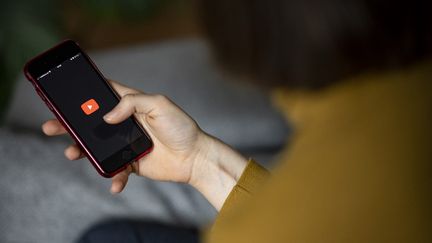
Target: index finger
{"x":53,"y":127}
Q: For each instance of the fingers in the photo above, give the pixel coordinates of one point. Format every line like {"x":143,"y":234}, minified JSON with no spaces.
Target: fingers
{"x":53,"y":128}
{"x":120,"y":180}
{"x":73,"y":152}
{"x":135,"y":103}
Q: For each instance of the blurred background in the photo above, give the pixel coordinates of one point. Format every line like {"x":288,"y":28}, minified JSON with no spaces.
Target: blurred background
{"x":29,"y":27}
{"x":153,"y":45}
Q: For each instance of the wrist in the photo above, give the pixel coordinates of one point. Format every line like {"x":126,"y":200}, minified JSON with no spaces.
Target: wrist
{"x":216,"y":169}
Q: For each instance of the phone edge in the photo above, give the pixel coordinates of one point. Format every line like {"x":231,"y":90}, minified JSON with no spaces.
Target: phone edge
{"x":71,"y":132}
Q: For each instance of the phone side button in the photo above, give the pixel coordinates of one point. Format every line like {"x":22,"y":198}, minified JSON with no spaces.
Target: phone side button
{"x":41,"y":95}
{"x":49,"y":106}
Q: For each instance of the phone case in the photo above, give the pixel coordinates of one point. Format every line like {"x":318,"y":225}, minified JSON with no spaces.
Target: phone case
{"x":55,"y":110}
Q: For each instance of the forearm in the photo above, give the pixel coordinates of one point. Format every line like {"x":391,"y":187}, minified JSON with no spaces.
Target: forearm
{"x":216,"y":170}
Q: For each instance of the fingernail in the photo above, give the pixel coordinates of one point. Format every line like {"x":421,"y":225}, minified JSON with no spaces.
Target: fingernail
{"x":109,"y":116}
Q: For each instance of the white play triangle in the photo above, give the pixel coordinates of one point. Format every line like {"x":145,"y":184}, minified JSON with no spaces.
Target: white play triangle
{"x":90,"y":107}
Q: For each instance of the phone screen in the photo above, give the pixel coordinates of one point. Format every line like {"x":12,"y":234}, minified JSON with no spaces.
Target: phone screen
{"x":83,"y":97}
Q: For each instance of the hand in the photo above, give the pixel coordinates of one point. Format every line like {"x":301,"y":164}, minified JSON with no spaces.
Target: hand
{"x":182,"y":151}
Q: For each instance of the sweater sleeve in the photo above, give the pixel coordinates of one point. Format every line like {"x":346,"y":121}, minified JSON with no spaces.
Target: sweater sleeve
{"x":252,"y":178}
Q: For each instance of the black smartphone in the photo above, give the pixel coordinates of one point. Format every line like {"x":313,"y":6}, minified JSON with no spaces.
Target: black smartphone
{"x":77,"y":93}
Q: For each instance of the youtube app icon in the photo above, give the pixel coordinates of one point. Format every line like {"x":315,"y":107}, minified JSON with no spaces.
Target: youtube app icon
{"x":90,"y":106}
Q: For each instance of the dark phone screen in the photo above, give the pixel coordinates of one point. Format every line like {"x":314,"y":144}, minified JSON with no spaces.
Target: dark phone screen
{"x":83,"y":98}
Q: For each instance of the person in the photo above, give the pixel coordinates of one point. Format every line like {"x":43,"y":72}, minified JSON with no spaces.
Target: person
{"x":354,"y":78}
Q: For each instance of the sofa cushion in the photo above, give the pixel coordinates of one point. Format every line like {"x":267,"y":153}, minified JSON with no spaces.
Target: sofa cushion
{"x":46,"y":198}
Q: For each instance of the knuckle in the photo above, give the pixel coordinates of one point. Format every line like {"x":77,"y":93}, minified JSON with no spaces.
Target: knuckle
{"x":161,"y":99}
{"x":128,"y":98}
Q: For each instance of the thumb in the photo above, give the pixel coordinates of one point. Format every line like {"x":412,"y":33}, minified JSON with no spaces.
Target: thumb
{"x":135,"y":103}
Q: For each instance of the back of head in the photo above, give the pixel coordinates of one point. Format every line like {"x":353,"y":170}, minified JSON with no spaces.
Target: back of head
{"x":312,"y":43}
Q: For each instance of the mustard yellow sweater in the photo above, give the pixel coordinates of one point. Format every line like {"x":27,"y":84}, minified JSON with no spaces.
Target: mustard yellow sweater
{"x":359,"y":168}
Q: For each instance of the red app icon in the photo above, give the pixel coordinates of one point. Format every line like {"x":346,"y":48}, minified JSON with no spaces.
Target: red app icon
{"x":90,"y":106}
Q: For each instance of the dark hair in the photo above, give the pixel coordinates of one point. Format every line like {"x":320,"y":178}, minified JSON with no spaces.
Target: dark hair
{"x":312,"y":43}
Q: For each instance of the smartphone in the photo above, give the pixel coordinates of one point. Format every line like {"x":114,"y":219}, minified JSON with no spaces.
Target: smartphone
{"x":77,"y":93}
